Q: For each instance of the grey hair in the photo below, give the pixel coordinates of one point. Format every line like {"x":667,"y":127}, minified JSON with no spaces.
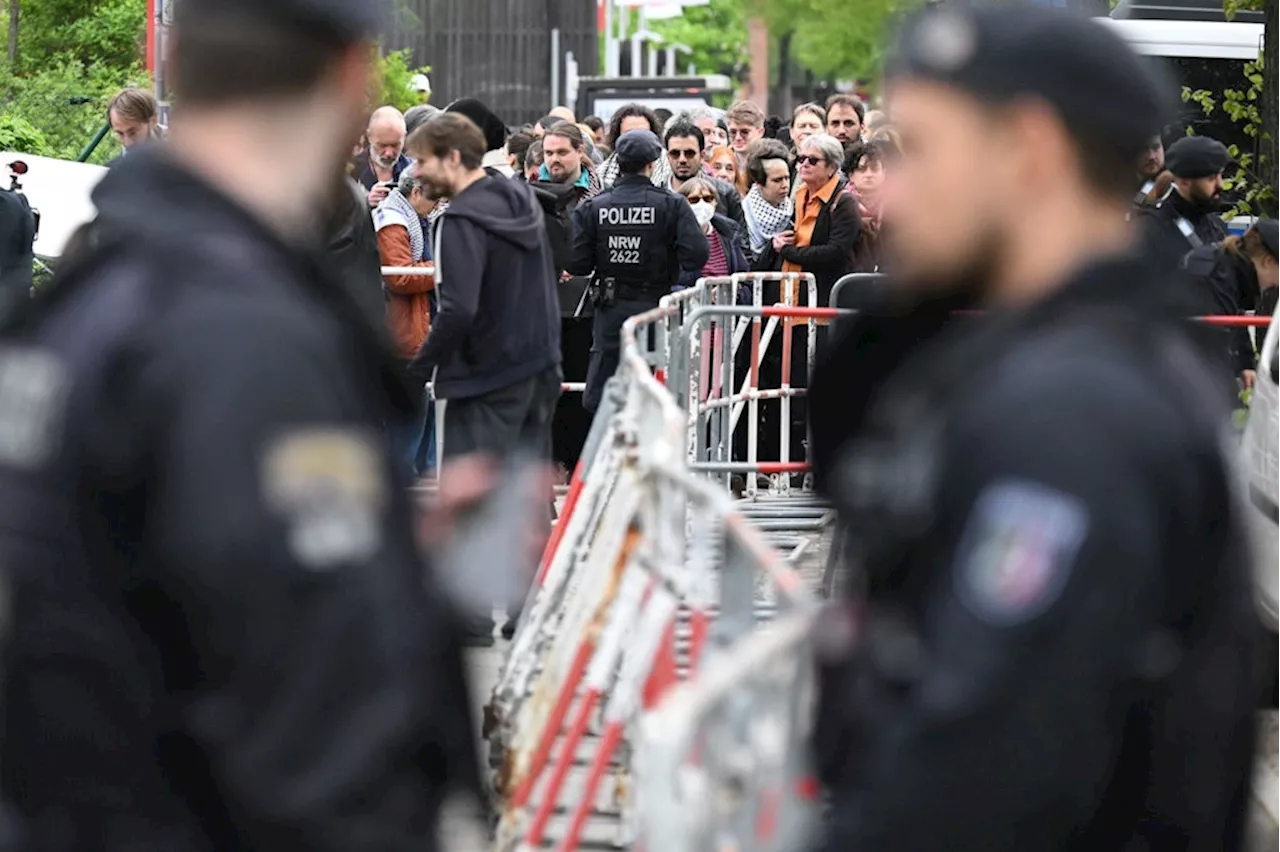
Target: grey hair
{"x":828,"y":146}
{"x":408,"y":183}
{"x":691,"y":116}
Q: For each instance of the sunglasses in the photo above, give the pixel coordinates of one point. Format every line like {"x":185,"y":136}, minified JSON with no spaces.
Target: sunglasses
{"x":742,"y":131}
{"x":694,"y":199}
{"x":687,"y":154}
{"x":809,"y":160}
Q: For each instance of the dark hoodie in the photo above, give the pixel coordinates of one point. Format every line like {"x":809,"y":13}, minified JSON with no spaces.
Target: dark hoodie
{"x":499,"y":316}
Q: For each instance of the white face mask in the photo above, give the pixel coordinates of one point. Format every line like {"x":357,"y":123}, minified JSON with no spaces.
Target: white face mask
{"x":703,"y":211}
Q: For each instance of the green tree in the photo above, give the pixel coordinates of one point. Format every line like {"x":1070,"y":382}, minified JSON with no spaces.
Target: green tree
{"x":394,"y":74}
{"x":716,"y":34}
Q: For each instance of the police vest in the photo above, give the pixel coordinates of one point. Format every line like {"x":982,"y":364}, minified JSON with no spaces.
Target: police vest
{"x":631,"y":243}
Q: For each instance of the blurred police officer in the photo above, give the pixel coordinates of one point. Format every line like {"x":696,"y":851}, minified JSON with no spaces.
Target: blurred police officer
{"x":634,"y":240}
{"x":1057,"y":651}
{"x":1189,"y":215}
{"x":223,"y":637}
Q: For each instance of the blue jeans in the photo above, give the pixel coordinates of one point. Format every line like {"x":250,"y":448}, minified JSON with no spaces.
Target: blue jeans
{"x":413,"y":442}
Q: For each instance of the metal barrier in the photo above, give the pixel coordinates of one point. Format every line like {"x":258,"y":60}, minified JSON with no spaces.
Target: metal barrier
{"x":856,"y":278}
{"x":647,"y":567}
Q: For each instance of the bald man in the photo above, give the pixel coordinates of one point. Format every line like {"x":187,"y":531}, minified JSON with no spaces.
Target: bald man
{"x":378,"y":166}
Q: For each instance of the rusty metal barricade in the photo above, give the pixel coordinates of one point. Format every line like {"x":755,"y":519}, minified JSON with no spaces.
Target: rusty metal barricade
{"x":623,"y":604}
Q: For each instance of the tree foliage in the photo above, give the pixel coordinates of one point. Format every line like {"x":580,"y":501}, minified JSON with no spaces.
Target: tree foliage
{"x":73,"y":55}
{"x":394,"y":74}
{"x":1253,"y":174}
{"x":716,"y":34}
{"x":833,"y":40}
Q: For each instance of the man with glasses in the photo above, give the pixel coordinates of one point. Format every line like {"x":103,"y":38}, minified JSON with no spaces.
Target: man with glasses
{"x":685,"y":144}
{"x":746,"y":125}
{"x":844,"y":118}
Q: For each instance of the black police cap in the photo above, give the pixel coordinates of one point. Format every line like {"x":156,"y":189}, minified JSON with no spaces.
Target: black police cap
{"x":350,"y":20}
{"x":1196,"y":157}
{"x":1002,"y":53}
{"x":1269,"y":230}
{"x":638,"y":148}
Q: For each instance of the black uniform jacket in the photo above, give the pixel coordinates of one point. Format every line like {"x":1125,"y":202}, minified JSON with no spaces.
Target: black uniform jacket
{"x":222,"y":635}
{"x":1160,"y":228}
{"x":1058,"y":638}
{"x":1226,"y":284}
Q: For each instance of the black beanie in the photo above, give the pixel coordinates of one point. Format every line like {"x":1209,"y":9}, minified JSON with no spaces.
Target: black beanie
{"x":495,"y":132}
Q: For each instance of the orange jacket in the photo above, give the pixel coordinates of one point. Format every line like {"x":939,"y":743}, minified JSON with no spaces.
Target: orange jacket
{"x":408,"y":307}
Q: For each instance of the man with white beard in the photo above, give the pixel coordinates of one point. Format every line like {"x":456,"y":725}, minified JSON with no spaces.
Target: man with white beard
{"x":379,"y":165}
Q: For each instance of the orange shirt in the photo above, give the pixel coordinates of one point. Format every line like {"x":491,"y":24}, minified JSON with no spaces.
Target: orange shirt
{"x":808,"y":206}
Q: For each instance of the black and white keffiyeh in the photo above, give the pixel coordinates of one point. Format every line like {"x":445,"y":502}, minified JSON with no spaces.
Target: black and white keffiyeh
{"x":395,"y":209}
{"x":764,"y":220}
{"x":608,"y":172}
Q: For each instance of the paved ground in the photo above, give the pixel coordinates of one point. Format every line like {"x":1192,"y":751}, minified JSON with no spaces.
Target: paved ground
{"x":461,"y":833}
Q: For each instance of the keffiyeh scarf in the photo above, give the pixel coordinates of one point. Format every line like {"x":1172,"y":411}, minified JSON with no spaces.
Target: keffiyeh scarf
{"x":608,"y":172}
{"x":764,"y":220}
{"x":399,"y":207}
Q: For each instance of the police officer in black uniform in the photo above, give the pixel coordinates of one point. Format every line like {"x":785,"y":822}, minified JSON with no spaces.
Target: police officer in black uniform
{"x":1189,"y":215}
{"x":223,"y":637}
{"x":1230,"y":278}
{"x":1055,"y":636}
{"x":634,"y":240}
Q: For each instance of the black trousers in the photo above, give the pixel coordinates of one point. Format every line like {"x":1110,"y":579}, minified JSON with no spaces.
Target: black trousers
{"x":606,"y":330}
{"x":514,"y":418}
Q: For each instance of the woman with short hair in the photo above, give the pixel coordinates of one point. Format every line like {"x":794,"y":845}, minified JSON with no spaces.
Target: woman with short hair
{"x":725,"y":256}
{"x":767,"y":206}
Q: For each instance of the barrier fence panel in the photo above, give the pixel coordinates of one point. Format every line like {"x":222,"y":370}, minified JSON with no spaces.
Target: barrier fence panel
{"x":647,"y":567}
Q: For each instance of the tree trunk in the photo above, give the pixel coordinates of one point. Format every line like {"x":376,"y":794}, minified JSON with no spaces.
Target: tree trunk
{"x":1268,"y":134}
{"x":15,"y":8}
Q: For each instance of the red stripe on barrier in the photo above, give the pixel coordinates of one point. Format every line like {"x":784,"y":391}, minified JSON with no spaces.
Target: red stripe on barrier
{"x":608,"y":745}
{"x":831,"y":313}
{"x":663,"y":675}
{"x":1236,"y":322}
{"x":768,"y":468}
{"x":799,"y":313}
{"x":808,"y":788}
{"x":557,"y":530}
{"x":577,"y":729}
{"x":699,"y":627}
{"x":539,"y":761}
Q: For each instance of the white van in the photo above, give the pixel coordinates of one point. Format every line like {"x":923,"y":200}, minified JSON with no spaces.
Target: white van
{"x":1260,"y":465}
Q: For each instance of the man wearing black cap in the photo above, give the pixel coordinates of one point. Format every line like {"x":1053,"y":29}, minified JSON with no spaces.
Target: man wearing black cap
{"x":1189,"y":217}
{"x":634,"y":239}
{"x":223,"y":636}
{"x":1056,"y":640}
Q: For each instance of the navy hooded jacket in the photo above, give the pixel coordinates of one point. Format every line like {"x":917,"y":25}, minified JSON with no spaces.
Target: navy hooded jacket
{"x":499,"y":315}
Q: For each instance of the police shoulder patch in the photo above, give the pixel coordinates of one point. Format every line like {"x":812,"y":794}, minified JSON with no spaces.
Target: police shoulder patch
{"x":1017,"y":551}
{"x":329,"y":487}
{"x":34,"y":386}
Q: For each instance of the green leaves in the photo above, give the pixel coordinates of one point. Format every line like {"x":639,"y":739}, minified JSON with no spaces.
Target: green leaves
{"x":393,"y":80}
{"x":1243,"y":108}
{"x":716,"y":33}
